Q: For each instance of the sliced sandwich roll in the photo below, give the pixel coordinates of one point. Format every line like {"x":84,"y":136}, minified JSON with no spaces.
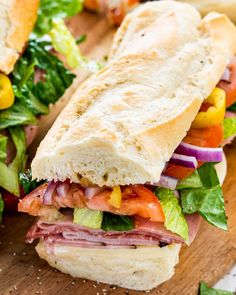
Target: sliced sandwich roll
{"x":157,"y":78}
{"x":129,"y":165}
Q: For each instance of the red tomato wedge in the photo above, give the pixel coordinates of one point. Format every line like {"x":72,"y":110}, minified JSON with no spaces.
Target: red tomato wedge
{"x":230,"y":87}
{"x":142,"y":202}
{"x":205,"y":137}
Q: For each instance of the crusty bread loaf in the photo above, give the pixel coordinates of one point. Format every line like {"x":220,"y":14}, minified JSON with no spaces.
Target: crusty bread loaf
{"x":140,"y":269}
{"x":17,"y":18}
{"x":123,"y":123}
{"x":224,"y":6}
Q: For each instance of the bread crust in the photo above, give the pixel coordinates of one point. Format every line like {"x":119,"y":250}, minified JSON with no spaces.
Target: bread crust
{"x":205,"y":6}
{"x":123,"y":124}
{"x":17,"y":21}
{"x":142,"y":268}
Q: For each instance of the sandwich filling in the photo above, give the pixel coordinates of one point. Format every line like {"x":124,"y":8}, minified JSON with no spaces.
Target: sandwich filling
{"x":150,"y":214}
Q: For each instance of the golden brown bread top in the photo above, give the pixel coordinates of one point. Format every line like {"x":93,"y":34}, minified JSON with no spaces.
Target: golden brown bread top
{"x":123,"y":123}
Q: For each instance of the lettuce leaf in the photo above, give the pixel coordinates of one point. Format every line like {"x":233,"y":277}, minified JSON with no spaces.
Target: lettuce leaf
{"x":193,"y":181}
{"x":9,"y":174}
{"x":88,"y":217}
{"x":16,"y":115}
{"x":64,"y":42}
{"x":33,"y":98}
{"x":26,"y":181}
{"x":229,"y":127}
{"x":205,"y":290}
{"x":207,"y":200}
{"x":55,"y":9}
{"x":116,"y":222}
{"x":3,"y":148}
{"x":174,"y":217}
{"x":1,"y":207}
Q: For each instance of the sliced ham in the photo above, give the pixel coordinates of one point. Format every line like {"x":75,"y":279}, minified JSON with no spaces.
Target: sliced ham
{"x":145,"y":233}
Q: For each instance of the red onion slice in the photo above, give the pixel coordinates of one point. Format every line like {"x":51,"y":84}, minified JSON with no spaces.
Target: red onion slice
{"x":90,"y":192}
{"x":183,"y":160}
{"x":166,"y":182}
{"x":226,"y":76}
{"x":200,"y":153}
{"x":47,"y":198}
{"x":63,"y":189}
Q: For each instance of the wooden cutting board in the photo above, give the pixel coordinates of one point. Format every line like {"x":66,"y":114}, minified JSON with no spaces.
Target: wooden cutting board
{"x":210,"y":256}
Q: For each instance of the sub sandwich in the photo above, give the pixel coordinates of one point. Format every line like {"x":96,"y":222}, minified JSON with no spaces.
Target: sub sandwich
{"x":129,"y":165}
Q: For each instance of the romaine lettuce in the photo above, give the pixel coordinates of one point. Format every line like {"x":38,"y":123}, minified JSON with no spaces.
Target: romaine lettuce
{"x":116,"y":222}
{"x":207,"y":200}
{"x":33,"y":98}
{"x":193,"y":181}
{"x":26,"y":181}
{"x":55,"y":9}
{"x":87,"y":217}
{"x":174,"y":217}
{"x":205,"y":290}
{"x":3,"y":148}
{"x":229,"y":127}
{"x":9,"y":174}
{"x":64,"y":42}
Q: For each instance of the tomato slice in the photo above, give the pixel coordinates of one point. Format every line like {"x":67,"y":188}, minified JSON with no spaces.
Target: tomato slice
{"x":141,"y":202}
{"x":230,"y":87}
{"x":205,"y":137}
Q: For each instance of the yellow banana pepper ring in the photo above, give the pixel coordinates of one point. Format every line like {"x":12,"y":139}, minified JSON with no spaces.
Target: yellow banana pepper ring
{"x":116,"y":196}
{"x":215,"y":113}
{"x":7,"y":97}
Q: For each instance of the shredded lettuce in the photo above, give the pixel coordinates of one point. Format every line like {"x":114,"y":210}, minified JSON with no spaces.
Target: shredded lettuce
{"x":64,"y":42}
{"x":1,"y":207}
{"x":207,"y":200}
{"x":87,"y":217}
{"x":192,"y":181}
{"x":174,"y":217}
{"x":3,"y":148}
{"x":229,"y":127}
{"x":205,"y":290}
{"x":116,"y":222}
{"x":9,"y":174}
{"x":55,"y":9}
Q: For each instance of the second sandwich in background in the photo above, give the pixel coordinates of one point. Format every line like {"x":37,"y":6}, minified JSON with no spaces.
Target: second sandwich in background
{"x":129,"y":162}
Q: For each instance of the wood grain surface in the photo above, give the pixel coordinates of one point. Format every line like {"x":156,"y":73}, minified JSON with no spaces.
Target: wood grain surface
{"x":210,"y":256}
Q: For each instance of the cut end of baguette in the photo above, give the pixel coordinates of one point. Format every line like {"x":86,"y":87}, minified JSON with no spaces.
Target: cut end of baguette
{"x":142,"y":268}
{"x":17,"y":19}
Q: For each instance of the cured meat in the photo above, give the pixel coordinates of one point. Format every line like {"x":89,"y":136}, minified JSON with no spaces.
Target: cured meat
{"x":145,"y":233}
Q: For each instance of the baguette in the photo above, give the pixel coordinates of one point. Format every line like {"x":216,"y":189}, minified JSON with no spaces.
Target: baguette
{"x":123,"y":124}
{"x":17,"y":18}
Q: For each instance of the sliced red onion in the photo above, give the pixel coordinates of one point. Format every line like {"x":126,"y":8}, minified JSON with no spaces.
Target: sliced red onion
{"x":47,"y":198}
{"x":200,"y":153}
{"x":226,"y":76}
{"x":92,"y":191}
{"x":177,"y":194}
{"x":166,"y":182}
{"x":62,"y":189}
{"x":183,"y":160}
